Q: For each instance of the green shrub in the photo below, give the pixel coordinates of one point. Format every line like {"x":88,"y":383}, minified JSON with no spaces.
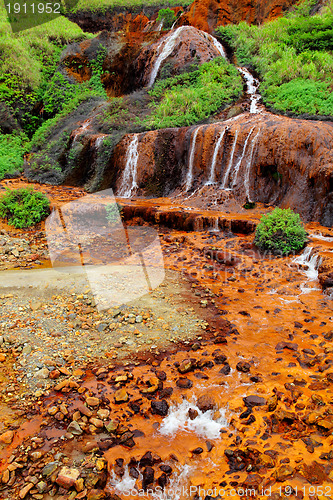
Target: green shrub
{"x":24,"y":207}
{"x":280,"y":232}
{"x":293,"y":57}
{"x":167,"y":17}
{"x":191,"y":97}
{"x":12,"y":149}
{"x":113,"y":212}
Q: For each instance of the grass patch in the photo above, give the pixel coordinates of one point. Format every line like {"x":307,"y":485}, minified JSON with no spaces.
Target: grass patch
{"x":24,"y":207}
{"x":191,"y":97}
{"x":12,"y":149}
{"x":104,"y":5}
{"x":293,"y":56}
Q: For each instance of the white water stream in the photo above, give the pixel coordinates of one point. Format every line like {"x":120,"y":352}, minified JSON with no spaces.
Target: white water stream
{"x":167,"y":45}
{"x":189,"y":176}
{"x":252,"y":89}
{"x":212,"y":175}
{"x":129,"y":179}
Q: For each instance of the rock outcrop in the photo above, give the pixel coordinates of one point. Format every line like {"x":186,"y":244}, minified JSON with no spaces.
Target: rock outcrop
{"x":260,"y":158}
{"x":208,"y":14}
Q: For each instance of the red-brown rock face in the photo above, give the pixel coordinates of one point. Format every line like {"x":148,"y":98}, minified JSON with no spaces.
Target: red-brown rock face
{"x":261,"y":158}
{"x":208,"y":14}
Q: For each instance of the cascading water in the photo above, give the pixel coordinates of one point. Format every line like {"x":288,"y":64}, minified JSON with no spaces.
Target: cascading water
{"x":167,"y":45}
{"x":164,"y":49}
{"x":189,"y":176}
{"x":238,"y":164}
{"x":309,"y":263}
{"x":216,"y":44}
{"x":252,"y":89}
{"x":81,"y":129}
{"x":129,"y":179}
{"x":212,"y":175}
{"x":225,"y":178}
{"x":248,"y":167}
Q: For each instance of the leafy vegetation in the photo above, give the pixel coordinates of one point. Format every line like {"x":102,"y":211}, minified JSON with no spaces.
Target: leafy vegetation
{"x":191,"y":97}
{"x":280,"y":232}
{"x":293,"y":57}
{"x":12,"y":149}
{"x":24,"y":207}
{"x":28,"y":61}
{"x":113,"y":213}
{"x":103,"y":5}
{"x":167,"y":17}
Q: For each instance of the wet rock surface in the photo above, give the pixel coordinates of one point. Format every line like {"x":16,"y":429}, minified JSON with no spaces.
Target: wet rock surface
{"x":134,"y":411}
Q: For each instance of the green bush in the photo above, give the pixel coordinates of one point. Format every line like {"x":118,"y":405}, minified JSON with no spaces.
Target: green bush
{"x":280,"y":232}
{"x":167,"y":17}
{"x":12,"y":149}
{"x":293,"y":57}
{"x":24,"y":207}
{"x":191,"y":97}
{"x":113,"y":212}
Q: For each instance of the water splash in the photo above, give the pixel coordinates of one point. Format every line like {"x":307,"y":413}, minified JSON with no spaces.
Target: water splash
{"x":211,"y":179}
{"x":189,"y":176}
{"x":252,"y":89}
{"x":203,"y":425}
{"x":320,"y":236}
{"x":225,"y":178}
{"x":309,"y":263}
{"x":129,"y":179}
{"x":164,"y":49}
{"x":126,"y":485}
{"x":249,"y":165}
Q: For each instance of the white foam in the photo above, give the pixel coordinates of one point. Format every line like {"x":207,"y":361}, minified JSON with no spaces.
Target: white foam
{"x":203,"y":425}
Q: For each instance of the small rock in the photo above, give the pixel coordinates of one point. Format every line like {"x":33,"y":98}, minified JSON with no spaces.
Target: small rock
{"x":184,"y":383}
{"x":42,"y":374}
{"x":67,"y":477}
{"x":243,"y":367}
{"x":121,"y":396}
{"x":92,"y":401}
{"x":206,"y":403}
{"x":283,"y":473}
{"x":7,"y":437}
{"x":147,"y":477}
{"x":159,"y":407}
{"x":251,"y":401}
{"x":185,"y":366}
{"x":74,"y":428}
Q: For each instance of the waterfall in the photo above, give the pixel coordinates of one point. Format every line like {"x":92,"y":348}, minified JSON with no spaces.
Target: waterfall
{"x":189,"y":176}
{"x":216,"y":44}
{"x":225,"y":178}
{"x":238,"y":164}
{"x":81,"y":129}
{"x":129,"y":183}
{"x":99,"y":141}
{"x":166,"y":46}
{"x":211,"y":179}
{"x":311,"y":263}
{"x":248,"y":166}
{"x":164,"y":49}
{"x":252,"y":89}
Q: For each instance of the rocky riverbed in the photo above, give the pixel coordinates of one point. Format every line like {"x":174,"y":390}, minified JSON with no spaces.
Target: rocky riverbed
{"x":219,"y":378}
